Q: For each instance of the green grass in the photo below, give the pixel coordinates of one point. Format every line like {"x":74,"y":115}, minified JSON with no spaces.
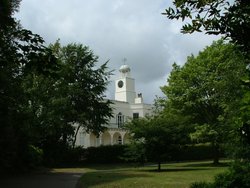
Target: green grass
{"x":174,"y":175}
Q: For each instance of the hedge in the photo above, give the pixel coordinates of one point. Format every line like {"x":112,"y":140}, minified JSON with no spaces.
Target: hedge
{"x":119,"y":154}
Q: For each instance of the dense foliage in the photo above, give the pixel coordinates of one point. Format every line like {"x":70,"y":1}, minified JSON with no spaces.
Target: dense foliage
{"x":42,"y":97}
{"x":75,"y":99}
{"x":202,"y":98}
{"x":215,"y":17}
{"x":236,"y":177}
{"x":160,"y":135}
{"x":208,"y":90}
{"x":21,"y":52}
{"x":231,"y":19}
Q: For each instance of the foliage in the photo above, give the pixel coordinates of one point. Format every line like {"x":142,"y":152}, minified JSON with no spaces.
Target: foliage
{"x":104,"y":154}
{"x":236,"y":177}
{"x":7,"y":10}
{"x":82,"y":85}
{"x":21,"y":52}
{"x":232,"y":20}
{"x":131,"y":153}
{"x":71,"y":99}
{"x":215,"y":17}
{"x":208,"y":89}
{"x":195,"y":152}
{"x":135,"y":152}
{"x":34,"y":156}
{"x":159,"y":134}
{"x":42,"y":97}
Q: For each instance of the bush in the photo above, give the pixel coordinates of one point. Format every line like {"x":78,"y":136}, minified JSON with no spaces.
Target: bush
{"x":34,"y":156}
{"x":104,"y":154}
{"x":194,"y":152}
{"x":236,"y":177}
{"x":135,"y":153}
{"x":61,"y":155}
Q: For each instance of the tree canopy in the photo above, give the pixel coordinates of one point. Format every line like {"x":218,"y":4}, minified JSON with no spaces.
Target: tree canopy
{"x":43,"y":93}
{"x":81,"y":85}
{"x":231,"y":19}
{"x":225,"y":17}
{"x":160,"y":135}
{"x":21,"y":52}
{"x":207,"y":89}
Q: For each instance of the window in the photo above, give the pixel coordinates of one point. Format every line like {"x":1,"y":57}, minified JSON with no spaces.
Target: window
{"x":119,"y":119}
{"x":82,"y":137}
{"x":119,"y":141}
{"x":135,"y":115}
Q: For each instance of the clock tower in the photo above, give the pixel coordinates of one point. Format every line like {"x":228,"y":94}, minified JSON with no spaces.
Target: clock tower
{"x":125,"y":86}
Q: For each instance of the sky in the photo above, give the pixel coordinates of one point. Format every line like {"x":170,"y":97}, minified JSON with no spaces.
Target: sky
{"x":118,"y":29}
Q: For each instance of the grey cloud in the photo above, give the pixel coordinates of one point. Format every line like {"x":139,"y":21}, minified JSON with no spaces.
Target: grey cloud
{"x":116,"y":29}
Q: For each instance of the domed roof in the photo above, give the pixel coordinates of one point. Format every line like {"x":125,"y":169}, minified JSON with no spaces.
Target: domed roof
{"x":124,"y":69}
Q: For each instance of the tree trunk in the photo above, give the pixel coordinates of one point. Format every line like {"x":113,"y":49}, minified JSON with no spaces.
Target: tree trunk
{"x":74,"y":141}
{"x":216,"y":151}
{"x":159,"y":166}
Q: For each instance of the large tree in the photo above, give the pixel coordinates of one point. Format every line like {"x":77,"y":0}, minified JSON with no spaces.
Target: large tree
{"x":159,"y":135}
{"x":229,"y":18}
{"x":21,"y":52}
{"x":207,"y":89}
{"x":41,"y":97}
{"x":82,"y":84}
{"x":71,"y":99}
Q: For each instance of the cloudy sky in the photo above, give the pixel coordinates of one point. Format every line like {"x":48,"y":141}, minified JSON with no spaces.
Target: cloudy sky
{"x":117,"y":29}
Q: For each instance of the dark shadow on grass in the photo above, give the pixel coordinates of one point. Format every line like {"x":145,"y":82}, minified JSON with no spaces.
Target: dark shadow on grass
{"x":90,"y":179}
{"x":111,"y":166}
{"x":175,"y":169}
{"x":41,"y":180}
{"x":222,"y":164}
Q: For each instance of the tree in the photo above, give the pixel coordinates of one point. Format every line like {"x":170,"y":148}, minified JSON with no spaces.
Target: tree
{"x":207,"y":89}
{"x":231,"y":19}
{"x":21,"y":52}
{"x":160,"y":135}
{"x":42,"y":97}
{"x":83,"y":84}
{"x":7,"y":9}
{"x":225,"y":17}
{"x":71,"y":100}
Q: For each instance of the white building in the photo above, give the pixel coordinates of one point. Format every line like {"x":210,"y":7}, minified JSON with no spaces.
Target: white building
{"x":127,"y":105}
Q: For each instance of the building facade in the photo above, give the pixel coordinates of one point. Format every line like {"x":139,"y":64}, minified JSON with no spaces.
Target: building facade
{"x":126,"y":106}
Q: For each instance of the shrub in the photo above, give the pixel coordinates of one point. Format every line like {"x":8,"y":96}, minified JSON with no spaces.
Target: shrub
{"x":104,"y":154}
{"x":236,"y":177}
{"x":135,"y":153}
{"x":195,"y":152}
{"x":34,"y":156}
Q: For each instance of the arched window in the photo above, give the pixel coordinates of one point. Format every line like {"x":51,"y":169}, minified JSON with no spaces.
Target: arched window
{"x":119,"y":119}
{"x":119,"y":141}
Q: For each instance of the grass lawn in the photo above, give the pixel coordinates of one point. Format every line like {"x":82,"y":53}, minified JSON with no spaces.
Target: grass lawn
{"x":173,"y":175}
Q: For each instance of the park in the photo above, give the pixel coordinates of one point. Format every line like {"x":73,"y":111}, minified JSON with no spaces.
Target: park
{"x":173,"y":175}
{"x":59,"y":129}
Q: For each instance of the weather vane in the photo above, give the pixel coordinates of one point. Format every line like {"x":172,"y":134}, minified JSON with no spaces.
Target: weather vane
{"x":124,"y":60}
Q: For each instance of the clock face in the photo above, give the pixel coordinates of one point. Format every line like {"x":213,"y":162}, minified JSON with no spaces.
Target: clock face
{"x":120,"y":84}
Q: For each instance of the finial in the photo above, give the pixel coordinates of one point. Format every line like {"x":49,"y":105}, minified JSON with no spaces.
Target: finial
{"x":124,"y":60}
